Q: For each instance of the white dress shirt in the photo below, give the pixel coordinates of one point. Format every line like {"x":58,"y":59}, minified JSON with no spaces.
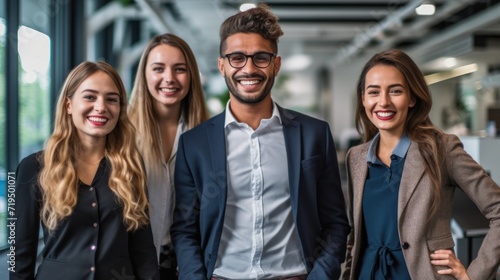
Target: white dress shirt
{"x":259,"y":239}
{"x":160,"y":183}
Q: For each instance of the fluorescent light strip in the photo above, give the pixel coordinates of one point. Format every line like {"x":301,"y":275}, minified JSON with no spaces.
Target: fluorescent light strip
{"x":446,"y":75}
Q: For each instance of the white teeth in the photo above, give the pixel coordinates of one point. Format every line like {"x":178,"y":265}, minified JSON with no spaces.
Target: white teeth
{"x":168,"y":89}
{"x":385,"y":114}
{"x":252,"y":82}
{"x":96,"y":119}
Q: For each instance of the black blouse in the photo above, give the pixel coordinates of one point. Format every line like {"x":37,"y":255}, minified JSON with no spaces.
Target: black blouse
{"x":92,"y":243}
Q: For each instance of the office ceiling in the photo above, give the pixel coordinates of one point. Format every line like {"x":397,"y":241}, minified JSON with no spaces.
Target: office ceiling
{"x":333,"y":32}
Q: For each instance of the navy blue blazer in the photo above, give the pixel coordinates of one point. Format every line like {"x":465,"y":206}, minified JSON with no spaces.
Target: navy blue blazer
{"x":315,"y":189}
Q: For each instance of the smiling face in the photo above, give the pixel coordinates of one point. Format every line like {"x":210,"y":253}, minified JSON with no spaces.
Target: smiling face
{"x":95,"y":107}
{"x":167,"y":75}
{"x":386,"y":99}
{"x":249,"y":84}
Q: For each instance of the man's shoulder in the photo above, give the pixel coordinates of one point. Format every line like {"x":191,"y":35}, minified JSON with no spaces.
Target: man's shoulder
{"x":206,"y":125}
{"x":301,"y":117}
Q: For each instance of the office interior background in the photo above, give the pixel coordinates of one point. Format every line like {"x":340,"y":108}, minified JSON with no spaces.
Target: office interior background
{"x":326,"y":42}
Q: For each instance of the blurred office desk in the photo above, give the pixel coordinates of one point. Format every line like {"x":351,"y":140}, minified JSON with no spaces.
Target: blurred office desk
{"x":469,"y":225}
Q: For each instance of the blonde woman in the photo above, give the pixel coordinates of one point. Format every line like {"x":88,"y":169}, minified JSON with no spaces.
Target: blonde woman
{"x":87,"y":188}
{"x":167,"y":99}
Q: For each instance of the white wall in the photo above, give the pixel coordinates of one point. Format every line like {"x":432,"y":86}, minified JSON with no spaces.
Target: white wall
{"x":343,"y":101}
{"x":345,"y":77}
{"x":443,"y":95}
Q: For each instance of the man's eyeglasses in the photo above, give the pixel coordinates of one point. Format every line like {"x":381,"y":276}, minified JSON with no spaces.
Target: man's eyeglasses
{"x":239,"y":60}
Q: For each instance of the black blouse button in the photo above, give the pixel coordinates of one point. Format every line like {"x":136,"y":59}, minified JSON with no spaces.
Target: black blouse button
{"x":94,"y":224}
{"x":92,"y":268}
{"x":94,"y":204}
{"x":405,"y":245}
{"x":91,"y":188}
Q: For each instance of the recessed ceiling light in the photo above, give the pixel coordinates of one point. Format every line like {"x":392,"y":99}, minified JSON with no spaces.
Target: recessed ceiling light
{"x":426,"y":10}
{"x":450,"y":62}
{"x":247,"y":6}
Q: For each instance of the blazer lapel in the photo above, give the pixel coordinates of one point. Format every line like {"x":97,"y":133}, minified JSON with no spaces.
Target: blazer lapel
{"x":358,"y":174}
{"x":357,"y":169}
{"x":217,"y":144}
{"x":292,"y":131}
{"x":413,"y":170}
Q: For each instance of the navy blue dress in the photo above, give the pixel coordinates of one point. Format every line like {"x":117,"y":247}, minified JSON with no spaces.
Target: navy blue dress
{"x":381,"y":257}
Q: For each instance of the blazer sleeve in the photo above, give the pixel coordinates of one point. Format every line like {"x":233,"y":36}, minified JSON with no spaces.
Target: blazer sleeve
{"x":332,"y":216}
{"x":26,"y":219}
{"x":143,"y":254}
{"x":185,"y":229}
{"x":468,"y":175}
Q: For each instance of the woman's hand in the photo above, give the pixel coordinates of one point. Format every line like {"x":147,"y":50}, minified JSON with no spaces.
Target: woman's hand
{"x":448,"y":258}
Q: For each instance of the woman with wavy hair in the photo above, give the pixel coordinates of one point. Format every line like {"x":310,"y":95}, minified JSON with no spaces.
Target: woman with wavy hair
{"x":167,"y":100}
{"x":402,"y":180}
{"x":87,"y":187}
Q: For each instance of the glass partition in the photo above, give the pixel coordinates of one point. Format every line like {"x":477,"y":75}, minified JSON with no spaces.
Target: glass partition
{"x":3,"y":136}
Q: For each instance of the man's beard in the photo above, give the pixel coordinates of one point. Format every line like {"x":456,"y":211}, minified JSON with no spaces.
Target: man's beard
{"x":232,"y":86}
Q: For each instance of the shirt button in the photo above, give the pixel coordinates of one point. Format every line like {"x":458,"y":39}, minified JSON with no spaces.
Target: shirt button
{"x":94,"y":204}
{"x":92,"y":268}
{"x":94,"y":224}
{"x":405,"y":245}
{"x":92,"y":247}
{"x":91,"y":189}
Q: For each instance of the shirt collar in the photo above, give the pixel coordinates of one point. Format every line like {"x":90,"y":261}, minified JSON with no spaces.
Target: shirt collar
{"x":400,"y":149}
{"x":231,"y":119}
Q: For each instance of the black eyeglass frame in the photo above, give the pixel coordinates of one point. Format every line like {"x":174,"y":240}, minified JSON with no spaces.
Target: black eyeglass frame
{"x":251,"y":56}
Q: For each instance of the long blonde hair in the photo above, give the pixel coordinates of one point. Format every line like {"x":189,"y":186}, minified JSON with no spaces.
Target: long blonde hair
{"x":58,"y":178}
{"x":418,"y":125}
{"x":142,"y":109}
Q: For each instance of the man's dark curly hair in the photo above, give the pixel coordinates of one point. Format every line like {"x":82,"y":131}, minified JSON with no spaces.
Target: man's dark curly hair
{"x":258,"y":20}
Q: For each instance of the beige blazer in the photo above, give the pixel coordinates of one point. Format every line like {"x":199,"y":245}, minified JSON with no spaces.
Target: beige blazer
{"x":418,"y":236}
